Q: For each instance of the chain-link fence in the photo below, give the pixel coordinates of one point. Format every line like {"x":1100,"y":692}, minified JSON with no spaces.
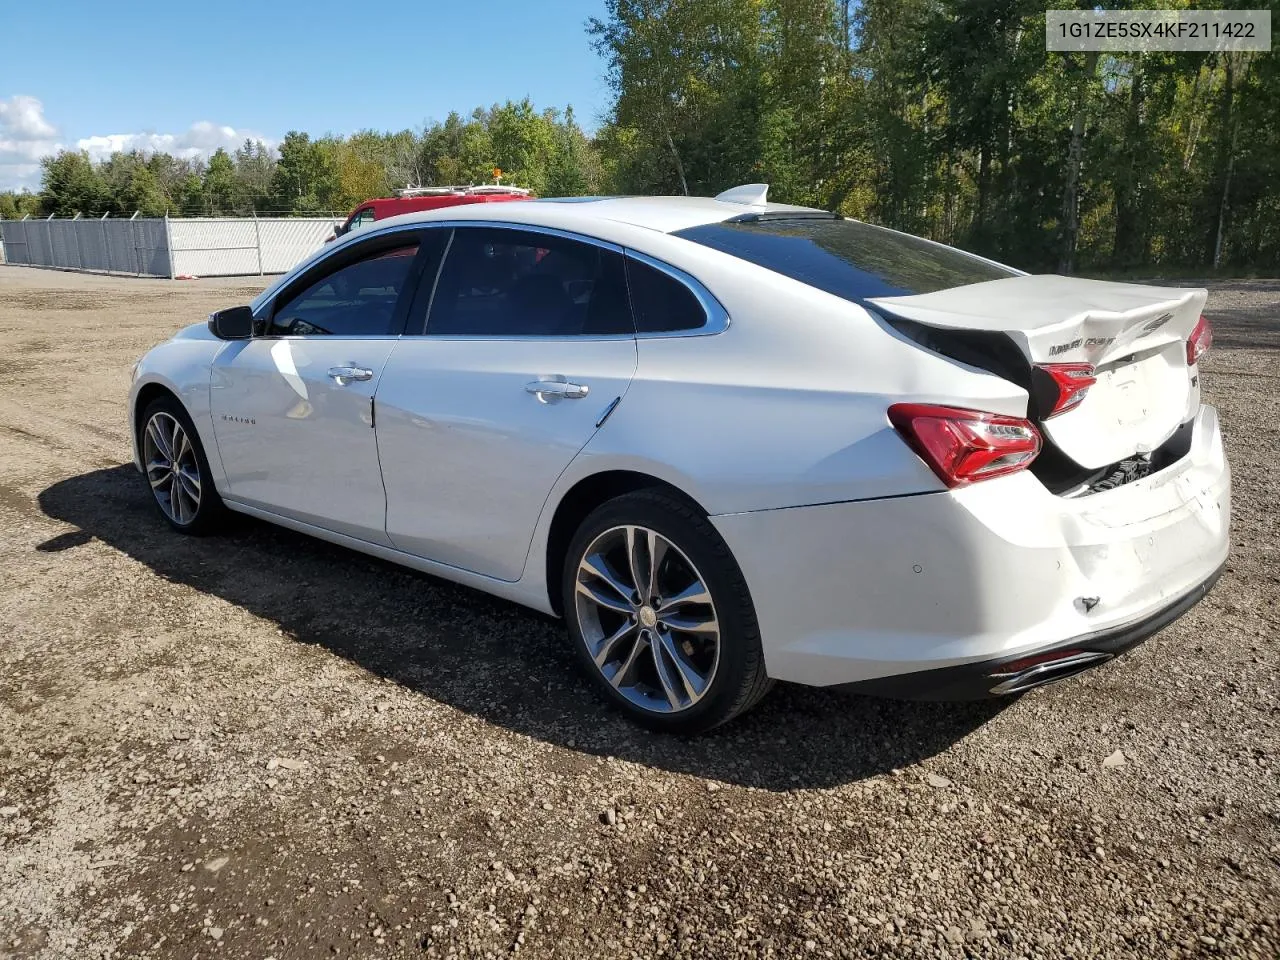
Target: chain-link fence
{"x":165,"y":247}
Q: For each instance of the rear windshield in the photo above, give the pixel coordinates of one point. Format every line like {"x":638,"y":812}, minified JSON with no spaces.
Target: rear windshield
{"x":850,"y":259}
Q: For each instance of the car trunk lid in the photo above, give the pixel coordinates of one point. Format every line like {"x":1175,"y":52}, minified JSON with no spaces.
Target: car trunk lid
{"x":1133,"y":335}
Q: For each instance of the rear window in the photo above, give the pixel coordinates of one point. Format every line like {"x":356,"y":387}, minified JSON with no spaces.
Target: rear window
{"x":847,"y":258}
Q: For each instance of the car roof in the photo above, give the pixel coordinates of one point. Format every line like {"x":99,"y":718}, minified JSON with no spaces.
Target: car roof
{"x":638,"y":221}
{"x":663,"y":214}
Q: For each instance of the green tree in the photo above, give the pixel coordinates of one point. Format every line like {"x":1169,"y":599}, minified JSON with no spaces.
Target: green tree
{"x":71,"y":185}
{"x":306,"y":178}
{"x":254,"y":167}
{"x":220,"y":185}
{"x":144,"y":193}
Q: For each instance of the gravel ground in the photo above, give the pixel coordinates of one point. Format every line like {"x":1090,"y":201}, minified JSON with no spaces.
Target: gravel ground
{"x":258,"y":745}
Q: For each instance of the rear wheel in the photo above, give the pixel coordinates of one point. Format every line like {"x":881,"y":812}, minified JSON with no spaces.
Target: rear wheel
{"x":660,"y":614}
{"x":176,"y":468}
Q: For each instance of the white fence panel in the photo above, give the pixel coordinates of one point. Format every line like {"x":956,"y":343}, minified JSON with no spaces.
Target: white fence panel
{"x":213,"y":247}
{"x":285,"y":241}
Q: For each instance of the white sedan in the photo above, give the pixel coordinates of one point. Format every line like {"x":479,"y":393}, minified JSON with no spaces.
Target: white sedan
{"x":729,"y":441}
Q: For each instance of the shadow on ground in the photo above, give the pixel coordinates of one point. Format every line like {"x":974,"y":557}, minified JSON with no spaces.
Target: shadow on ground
{"x":492,"y":659}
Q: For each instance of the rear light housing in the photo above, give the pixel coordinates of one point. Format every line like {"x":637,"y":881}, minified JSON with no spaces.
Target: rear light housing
{"x":1067,"y":385}
{"x":1199,"y":342}
{"x":966,"y":446}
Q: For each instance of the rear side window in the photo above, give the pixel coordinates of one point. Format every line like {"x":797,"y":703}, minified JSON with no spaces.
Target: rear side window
{"x":498,"y":282}
{"x":847,"y":258}
{"x":660,"y":302}
{"x":358,"y":299}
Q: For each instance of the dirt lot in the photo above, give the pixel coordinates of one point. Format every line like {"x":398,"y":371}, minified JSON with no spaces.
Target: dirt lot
{"x":257,"y":745}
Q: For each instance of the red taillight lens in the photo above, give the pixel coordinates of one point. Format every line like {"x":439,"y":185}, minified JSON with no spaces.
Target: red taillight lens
{"x":965,"y":446}
{"x":1072,"y":380}
{"x":1199,"y":342}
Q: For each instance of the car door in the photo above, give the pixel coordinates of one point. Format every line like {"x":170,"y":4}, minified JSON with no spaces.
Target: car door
{"x":528,"y":346}
{"x":293,"y":407}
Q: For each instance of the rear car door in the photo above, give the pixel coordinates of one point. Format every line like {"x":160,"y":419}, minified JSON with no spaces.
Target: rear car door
{"x":528,"y":346}
{"x":292,"y":407}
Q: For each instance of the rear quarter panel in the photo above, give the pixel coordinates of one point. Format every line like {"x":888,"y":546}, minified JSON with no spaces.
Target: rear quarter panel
{"x":787,"y":406}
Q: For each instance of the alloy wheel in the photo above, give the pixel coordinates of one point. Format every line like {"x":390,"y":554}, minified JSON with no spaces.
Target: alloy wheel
{"x":647,"y":618}
{"x":172,"y":468}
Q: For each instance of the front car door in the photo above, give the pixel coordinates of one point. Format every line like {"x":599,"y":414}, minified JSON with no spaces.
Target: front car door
{"x":528,"y":346}
{"x":293,"y":407}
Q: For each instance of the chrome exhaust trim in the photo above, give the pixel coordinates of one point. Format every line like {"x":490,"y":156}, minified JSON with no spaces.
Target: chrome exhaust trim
{"x":1045,"y":673}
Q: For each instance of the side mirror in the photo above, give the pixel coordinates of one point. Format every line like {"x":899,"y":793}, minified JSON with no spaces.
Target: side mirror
{"x":233,"y":323}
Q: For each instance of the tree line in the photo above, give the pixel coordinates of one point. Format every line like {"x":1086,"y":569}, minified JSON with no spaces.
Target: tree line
{"x":546,"y":151}
{"x":945,"y":118}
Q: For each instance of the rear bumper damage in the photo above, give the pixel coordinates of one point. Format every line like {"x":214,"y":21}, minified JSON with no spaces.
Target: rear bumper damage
{"x":894,"y":594}
{"x":1009,"y":676}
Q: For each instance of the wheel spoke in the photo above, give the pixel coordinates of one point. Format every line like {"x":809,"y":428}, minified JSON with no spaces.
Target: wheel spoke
{"x":181,"y":444}
{"x":594,"y":565}
{"x":158,"y":438}
{"x":638,"y":554}
{"x":604,"y":652}
{"x":604,"y":598}
{"x":190,"y":485}
{"x":657,"y":552}
{"x":691,"y":623}
{"x":666,"y":675}
{"x":642,"y":642}
{"x":177,"y":508}
{"x":166,"y":476}
{"x":694,"y":593}
{"x":693,"y":682}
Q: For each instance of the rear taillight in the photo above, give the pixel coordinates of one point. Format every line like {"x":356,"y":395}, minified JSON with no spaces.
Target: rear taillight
{"x":1071,"y":381}
{"x":965,"y":446}
{"x":1199,"y":342}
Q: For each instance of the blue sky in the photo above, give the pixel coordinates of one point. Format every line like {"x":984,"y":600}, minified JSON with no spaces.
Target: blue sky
{"x":188,"y":77}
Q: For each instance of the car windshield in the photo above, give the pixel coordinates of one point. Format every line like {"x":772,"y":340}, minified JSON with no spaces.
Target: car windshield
{"x":848,"y":258}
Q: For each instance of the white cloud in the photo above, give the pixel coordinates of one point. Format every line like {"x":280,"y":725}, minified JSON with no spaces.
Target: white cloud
{"x":25,"y":137}
{"x":200,"y":140}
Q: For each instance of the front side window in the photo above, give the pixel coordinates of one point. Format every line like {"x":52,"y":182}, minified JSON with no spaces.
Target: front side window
{"x":357,"y":300}
{"x":499,"y":282}
{"x":847,"y":258}
{"x":362,"y":219}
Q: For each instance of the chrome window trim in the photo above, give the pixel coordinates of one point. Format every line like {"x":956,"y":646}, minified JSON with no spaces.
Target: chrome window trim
{"x":717,"y":316}
{"x":717,"y":321}
{"x":327,"y":337}
{"x":527,"y":228}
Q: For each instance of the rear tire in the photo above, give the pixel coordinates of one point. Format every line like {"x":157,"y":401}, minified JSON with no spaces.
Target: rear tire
{"x":675,"y":645}
{"x":176,"y":469}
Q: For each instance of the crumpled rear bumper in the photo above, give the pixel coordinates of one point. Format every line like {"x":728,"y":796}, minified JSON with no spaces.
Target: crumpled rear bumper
{"x":852,"y":592}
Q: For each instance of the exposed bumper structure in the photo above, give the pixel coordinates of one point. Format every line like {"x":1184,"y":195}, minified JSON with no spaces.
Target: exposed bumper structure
{"x":964,"y":581}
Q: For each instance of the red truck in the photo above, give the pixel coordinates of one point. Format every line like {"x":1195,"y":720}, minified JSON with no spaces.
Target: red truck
{"x":414,"y":199}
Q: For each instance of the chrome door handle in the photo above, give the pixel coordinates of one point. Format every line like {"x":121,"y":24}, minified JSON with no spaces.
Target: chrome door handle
{"x":346,"y":374}
{"x":546,"y":390}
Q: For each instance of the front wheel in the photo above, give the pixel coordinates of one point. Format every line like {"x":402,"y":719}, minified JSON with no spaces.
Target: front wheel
{"x":176,"y":468}
{"x":660,"y":614}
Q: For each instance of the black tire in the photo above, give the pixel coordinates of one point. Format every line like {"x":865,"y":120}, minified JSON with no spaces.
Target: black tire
{"x":738,"y":680}
{"x":210,"y":511}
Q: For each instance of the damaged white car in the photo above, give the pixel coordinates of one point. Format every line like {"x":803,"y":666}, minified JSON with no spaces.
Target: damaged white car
{"x":729,"y":441}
